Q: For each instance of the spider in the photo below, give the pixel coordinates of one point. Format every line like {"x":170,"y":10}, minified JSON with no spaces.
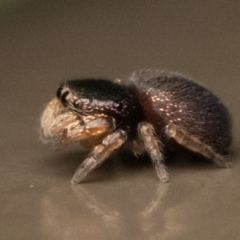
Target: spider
{"x":144,"y":114}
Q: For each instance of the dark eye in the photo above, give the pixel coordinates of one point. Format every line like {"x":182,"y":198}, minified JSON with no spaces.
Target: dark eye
{"x":59,"y":92}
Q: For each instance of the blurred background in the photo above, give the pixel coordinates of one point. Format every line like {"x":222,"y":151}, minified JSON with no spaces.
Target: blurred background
{"x":45,"y":42}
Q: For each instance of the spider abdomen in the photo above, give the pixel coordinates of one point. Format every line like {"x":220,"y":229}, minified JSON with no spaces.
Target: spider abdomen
{"x":168,"y":98}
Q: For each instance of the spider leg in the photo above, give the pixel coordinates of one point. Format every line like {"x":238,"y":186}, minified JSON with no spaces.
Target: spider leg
{"x":154,"y":149}
{"x":194,"y":144}
{"x":89,"y":133}
{"x":100,"y":153}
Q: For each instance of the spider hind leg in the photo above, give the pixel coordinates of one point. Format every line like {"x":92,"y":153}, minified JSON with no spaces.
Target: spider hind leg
{"x":192,"y":143}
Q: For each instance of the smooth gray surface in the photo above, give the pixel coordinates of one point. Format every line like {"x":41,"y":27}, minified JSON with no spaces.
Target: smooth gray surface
{"x":45,"y":42}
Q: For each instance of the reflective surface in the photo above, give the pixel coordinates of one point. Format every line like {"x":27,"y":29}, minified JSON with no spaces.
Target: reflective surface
{"x":43,"y":43}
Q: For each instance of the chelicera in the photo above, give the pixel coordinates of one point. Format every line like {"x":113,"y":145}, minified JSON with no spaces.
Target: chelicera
{"x":143,"y":114}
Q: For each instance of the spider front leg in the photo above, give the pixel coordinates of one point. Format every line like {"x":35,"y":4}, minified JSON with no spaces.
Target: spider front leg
{"x":154,"y":148}
{"x":100,"y":153}
{"x":64,"y":126}
{"x":89,"y":131}
{"x":194,"y":144}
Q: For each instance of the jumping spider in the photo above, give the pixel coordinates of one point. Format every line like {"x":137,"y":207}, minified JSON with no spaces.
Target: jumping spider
{"x":154,"y":107}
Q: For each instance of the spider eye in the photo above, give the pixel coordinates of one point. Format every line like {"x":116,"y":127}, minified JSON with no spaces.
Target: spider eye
{"x":59,"y":91}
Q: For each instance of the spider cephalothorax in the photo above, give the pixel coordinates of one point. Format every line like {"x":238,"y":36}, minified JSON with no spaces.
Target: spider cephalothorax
{"x":144,"y":114}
